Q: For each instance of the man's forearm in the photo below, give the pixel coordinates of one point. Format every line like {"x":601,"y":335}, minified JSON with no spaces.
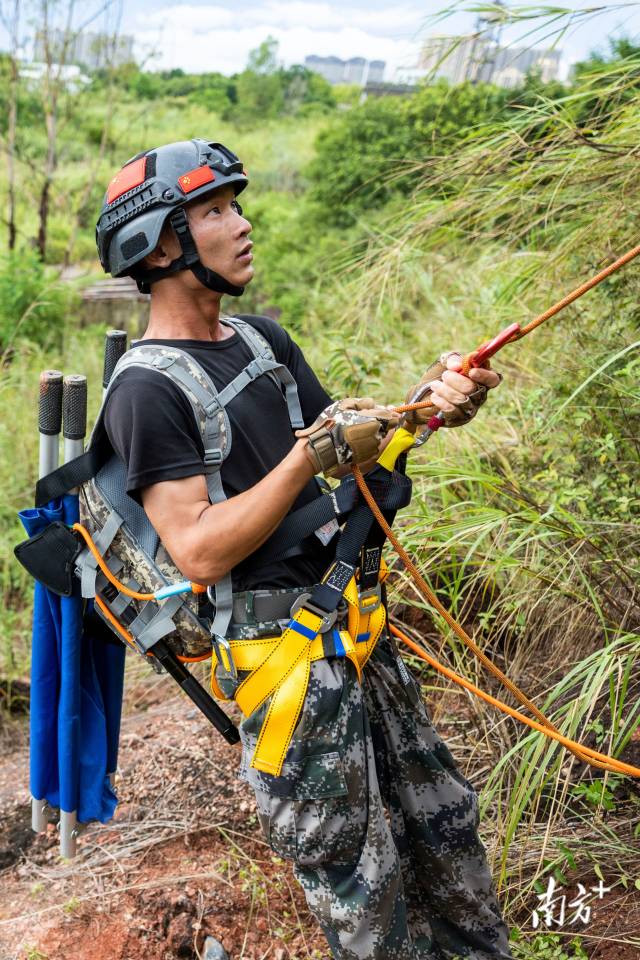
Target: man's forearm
{"x":228,"y":532}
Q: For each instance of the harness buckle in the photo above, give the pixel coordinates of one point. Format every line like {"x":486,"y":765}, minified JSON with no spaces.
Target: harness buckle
{"x":220,"y":646}
{"x":365,"y":606}
{"x":213,"y":457}
{"x":328,"y":619}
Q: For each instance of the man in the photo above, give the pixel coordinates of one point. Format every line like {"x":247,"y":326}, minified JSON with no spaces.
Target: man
{"x":368,"y":805}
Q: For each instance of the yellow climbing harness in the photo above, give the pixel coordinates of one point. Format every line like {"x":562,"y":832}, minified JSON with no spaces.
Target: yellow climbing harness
{"x":281,"y":665}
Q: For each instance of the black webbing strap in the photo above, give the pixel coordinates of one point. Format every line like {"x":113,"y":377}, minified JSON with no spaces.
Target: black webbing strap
{"x":391,"y":491}
{"x":69,"y":475}
{"x":302,"y":522}
{"x":398,"y":493}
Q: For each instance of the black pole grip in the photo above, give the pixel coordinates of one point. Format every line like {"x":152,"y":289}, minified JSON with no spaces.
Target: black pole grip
{"x":115,"y":344}
{"x":196,"y":692}
{"x":50,"y":403}
{"x":74,"y":406}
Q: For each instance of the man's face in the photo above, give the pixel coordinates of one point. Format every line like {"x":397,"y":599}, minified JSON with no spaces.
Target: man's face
{"x":221,"y":235}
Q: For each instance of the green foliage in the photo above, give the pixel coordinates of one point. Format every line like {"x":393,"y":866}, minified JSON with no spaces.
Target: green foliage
{"x":291,"y":269}
{"x":378,"y":149}
{"x":33,"y":302}
{"x":599,"y":795}
{"x":263,"y":60}
{"x":29,"y":106}
{"x":361,"y":161}
{"x":546,"y":946}
{"x":264,"y":90}
{"x":440,"y":115}
{"x":386,"y":232}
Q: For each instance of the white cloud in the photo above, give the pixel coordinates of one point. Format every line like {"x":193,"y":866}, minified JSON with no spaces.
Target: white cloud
{"x":215,"y":38}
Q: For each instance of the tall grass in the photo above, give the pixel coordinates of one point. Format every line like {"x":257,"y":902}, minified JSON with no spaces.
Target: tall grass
{"x":526,"y":522}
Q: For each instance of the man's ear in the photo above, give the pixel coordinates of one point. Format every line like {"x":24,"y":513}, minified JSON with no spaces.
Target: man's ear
{"x":166,"y":250}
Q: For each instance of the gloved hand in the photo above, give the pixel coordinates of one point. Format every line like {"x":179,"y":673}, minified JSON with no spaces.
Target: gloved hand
{"x":348,"y":431}
{"x":458,"y":396}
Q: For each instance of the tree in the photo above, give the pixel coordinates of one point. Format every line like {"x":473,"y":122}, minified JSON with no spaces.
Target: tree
{"x":263,"y":59}
{"x":12,"y":26}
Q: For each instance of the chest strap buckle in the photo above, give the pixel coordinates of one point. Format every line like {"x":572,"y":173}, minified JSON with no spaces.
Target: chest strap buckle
{"x":328,"y":619}
{"x":369,"y":600}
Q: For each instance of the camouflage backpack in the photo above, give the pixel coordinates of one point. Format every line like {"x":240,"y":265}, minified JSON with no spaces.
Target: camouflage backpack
{"x":121,"y":529}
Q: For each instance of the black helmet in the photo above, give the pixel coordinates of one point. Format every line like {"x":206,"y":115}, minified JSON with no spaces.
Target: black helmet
{"x":155,"y":186}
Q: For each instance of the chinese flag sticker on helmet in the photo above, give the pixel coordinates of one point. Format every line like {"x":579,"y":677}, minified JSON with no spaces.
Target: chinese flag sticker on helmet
{"x":195,"y":178}
{"x":132,"y":175}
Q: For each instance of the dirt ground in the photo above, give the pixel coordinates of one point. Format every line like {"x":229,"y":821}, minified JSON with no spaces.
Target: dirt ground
{"x":182,"y":858}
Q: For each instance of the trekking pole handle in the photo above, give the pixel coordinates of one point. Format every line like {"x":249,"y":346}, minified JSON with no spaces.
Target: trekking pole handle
{"x":74,"y":407}
{"x":115,"y":344}
{"x":50,"y":402}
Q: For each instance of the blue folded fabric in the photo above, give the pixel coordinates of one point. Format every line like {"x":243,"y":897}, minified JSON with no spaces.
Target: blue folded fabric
{"x":76,"y":694}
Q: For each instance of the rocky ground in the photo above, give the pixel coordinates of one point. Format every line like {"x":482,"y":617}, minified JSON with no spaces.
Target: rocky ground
{"x":183,"y":857}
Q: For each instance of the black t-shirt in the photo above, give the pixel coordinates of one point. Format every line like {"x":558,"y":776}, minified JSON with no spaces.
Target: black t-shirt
{"x":152,"y":428}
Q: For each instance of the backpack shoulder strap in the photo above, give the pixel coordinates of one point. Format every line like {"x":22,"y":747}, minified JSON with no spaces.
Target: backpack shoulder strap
{"x":264,"y":362}
{"x":208,"y":409}
{"x":257,"y":343}
{"x":213,"y":421}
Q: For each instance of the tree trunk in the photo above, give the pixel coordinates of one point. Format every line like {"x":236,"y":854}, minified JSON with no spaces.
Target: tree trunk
{"x":12,"y":126}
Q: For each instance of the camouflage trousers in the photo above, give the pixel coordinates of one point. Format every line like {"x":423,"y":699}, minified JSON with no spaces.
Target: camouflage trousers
{"x":378,"y":821}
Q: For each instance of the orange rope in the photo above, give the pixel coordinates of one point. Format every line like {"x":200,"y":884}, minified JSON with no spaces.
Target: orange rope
{"x":467,"y":361}
{"x":105,"y":569}
{"x":124,"y":633}
{"x":195,"y":587}
{"x":545,"y":726}
{"x":578,"y":292}
{"x":611,"y":763}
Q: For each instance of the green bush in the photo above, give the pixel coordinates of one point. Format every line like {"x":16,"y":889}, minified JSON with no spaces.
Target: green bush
{"x":359,"y":160}
{"x":33,"y":302}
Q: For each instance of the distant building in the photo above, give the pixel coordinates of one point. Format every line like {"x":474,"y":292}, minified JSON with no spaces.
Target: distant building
{"x":478,"y":59}
{"x":70,"y":75}
{"x":356,"y":70}
{"x":89,"y":50}
{"x":378,"y":89}
{"x":331,"y":68}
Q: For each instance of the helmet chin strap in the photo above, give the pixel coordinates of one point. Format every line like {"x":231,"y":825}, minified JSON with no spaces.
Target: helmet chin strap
{"x":190,"y":260}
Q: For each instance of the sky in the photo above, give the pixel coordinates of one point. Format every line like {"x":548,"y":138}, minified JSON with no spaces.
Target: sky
{"x":199,"y":35}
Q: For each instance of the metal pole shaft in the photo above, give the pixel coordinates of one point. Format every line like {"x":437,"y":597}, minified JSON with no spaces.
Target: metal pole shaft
{"x":115,"y":345}
{"x":74,"y":419}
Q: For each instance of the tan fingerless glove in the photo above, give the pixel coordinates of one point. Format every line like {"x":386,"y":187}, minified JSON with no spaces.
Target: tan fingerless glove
{"x":348,"y":431}
{"x":465,"y":410}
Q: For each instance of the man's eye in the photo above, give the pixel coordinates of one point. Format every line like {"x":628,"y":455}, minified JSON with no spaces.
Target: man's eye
{"x":214,"y":210}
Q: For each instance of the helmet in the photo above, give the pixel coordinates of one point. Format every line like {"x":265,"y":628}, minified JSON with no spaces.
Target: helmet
{"x":153,"y":187}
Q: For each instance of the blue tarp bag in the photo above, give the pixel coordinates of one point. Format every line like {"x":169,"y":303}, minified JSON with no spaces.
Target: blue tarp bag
{"x":76,"y":694}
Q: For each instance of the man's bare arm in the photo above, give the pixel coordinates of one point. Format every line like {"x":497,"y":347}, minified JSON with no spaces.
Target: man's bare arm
{"x":206,"y":540}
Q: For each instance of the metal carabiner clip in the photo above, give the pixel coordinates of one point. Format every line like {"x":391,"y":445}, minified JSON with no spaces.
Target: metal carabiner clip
{"x":224,"y":656}
{"x":427,"y":432}
{"x":221,"y":646}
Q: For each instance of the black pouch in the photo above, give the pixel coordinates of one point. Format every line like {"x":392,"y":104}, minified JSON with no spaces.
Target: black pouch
{"x":49,"y":557}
